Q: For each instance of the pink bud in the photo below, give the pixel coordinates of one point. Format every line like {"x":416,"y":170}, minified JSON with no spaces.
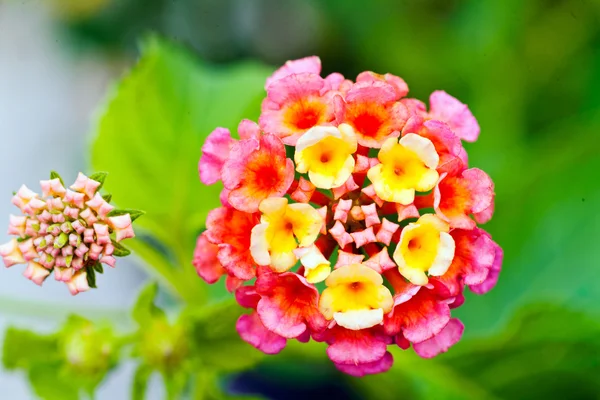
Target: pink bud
{"x":71,"y":212}
{"x":73,"y":240}
{"x":63,"y":274}
{"x":95,"y":251}
{"x":102,"y":234}
{"x":100,"y":205}
{"x":109,"y":260}
{"x":78,"y":283}
{"x":74,"y":198}
{"x":88,"y":236}
{"x":109,"y":249}
{"x":347,"y":187}
{"x":363,"y":237}
{"x":405,"y":212}
{"x":370,"y":192}
{"x":55,"y":204}
{"x":122,"y":226}
{"x":11,"y":254}
{"x":77,"y":263}
{"x":345,"y":258}
{"x":35,"y":206}
{"x":52,"y":187}
{"x":28,"y":250}
{"x":88,"y":216}
{"x":342,"y":209}
{"x":81,"y":250}
{"x":45,"y":216}
{"x":371,"y":217}
{"x":381,"y":261}
{"x":32,"y":227}
{"x":17,"y":225}
{"x":23,"y":197}
{"x":58,"y":218}
{"x":61,"y":262}
{"x":36,"y":273}
{"x":304,"y":191}
{"x":78,"y":226}
{"x":387,"y":230}
{"x":67,"y":251}
{"x":338,"y":231}
{"x":83,"y":184}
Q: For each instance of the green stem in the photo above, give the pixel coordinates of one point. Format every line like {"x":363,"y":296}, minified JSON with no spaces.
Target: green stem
{"x":175,"y":279}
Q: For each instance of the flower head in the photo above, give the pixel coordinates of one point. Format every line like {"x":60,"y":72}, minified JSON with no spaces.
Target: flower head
{"x":366,"y":236}
{"x":68,"y":231}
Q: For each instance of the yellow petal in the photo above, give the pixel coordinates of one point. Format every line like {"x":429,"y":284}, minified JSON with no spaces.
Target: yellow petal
{"x":359,"y":319}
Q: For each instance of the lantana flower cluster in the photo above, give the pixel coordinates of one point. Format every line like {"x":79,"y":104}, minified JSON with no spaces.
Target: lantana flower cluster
{"x":349,"y":216}
{"x":69,"y":231}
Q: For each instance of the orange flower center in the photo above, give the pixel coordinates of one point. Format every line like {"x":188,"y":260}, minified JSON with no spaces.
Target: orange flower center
{"x":368,"y":119}
{"x":304,"y":114}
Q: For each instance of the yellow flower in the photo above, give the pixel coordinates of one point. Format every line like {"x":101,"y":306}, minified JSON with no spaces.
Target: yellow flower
{"x":406,"y":166}
{"x":316,"y":267}
{"x":284,"y":227}
{"x":355,"y":297}
{"x":425,"y":246}
{"x":325,"y":152}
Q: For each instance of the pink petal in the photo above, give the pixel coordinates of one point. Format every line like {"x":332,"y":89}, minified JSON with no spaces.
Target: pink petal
{"x":441,"y":342}
{"x":252,"y":330}
{"x":397,"y":83}
{"x":247,"y":297}
{"x":492,"y":278}
{"x":248,"y":129}
{"x":356,"y":347}
{"x":205,"y":260}
{"x":302,"y":65}
{"x":374,"y":367}
{"x":456,"y":114}
{"x":289,"y":304}
{"x":215,"y":152}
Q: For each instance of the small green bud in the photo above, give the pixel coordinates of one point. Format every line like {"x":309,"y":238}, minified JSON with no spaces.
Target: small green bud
{"x":61,"y":240}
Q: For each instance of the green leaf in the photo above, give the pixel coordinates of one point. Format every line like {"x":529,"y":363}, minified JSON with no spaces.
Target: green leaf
{"x":134,"y":214}
{"x":216,"y":339}
{"x":140,"y":382}
{"x":543,"y":343}
{"x":24,"y":349}
{"x":152,"y":131}
{"x":107,"y":197}
{"x":50,"y":383}
{"x":98,"y":267}
{"x":175,"y":384}
{"x":91,"y":277}
{"x":99,"y":177}
{"x":56,"y":175}
{"x":144,"y":309}
{"x":120,"y":250}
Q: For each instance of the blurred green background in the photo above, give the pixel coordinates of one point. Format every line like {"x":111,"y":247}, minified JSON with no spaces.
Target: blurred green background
{"x":530,"y":73}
